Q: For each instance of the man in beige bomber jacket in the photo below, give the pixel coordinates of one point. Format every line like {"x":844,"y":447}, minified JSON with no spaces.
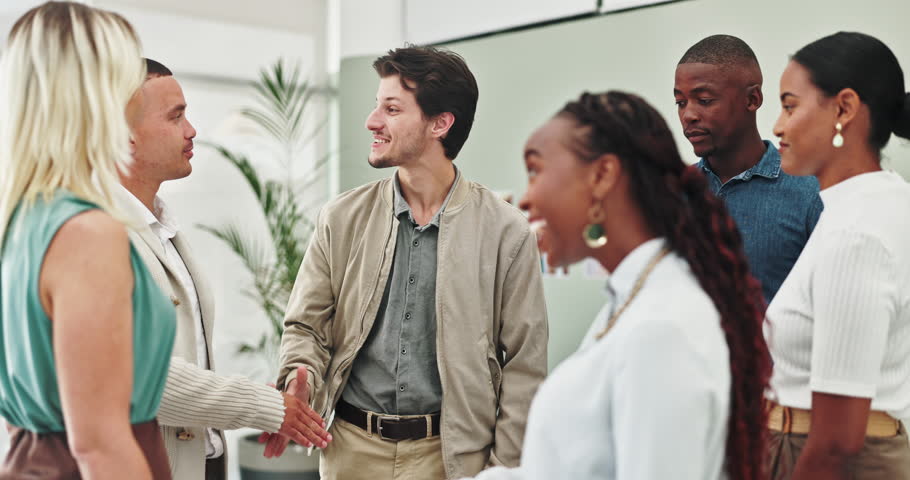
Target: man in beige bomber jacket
{"x":418,"y":312}
{"x":197,"y":404}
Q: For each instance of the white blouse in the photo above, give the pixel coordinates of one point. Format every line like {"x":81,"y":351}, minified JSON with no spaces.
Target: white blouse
{"x":650,"y":400}
{"x":840,"y":323}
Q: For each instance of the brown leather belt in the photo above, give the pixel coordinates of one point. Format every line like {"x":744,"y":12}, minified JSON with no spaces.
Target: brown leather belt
{"x":389,"y":427}
{"x":796,"y":420}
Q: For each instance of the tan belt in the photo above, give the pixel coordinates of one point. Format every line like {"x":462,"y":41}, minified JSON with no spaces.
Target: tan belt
{"x":796,"y":420}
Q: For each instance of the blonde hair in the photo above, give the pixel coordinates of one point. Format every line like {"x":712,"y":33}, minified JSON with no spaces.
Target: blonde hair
{"x":66,"y":76}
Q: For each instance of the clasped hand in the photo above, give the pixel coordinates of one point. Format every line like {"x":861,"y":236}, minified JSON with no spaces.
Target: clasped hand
{"x":301,"y":423}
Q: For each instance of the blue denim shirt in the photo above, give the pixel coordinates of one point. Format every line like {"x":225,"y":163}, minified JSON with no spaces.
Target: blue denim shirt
{"x":775,"y":213}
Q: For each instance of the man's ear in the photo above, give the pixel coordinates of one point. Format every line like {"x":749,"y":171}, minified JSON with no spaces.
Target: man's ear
{"x":754,"y":97}
{"x":441,"y":124}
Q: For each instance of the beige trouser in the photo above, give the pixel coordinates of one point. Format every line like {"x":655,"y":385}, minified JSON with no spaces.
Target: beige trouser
{"x":882,"y":458}
{"x":354,"y":455}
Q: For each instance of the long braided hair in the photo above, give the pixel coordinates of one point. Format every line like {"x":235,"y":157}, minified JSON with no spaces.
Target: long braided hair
{"x":678,"y":206}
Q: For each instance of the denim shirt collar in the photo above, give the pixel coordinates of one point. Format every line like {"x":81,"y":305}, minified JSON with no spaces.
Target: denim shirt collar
{"x":401,"y":205}
{"x":768,"y":166}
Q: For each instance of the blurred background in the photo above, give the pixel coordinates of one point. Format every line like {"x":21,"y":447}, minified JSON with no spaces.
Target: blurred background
{"x":529,"y":57}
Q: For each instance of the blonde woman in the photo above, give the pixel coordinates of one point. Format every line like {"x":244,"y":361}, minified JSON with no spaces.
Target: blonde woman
{"x":78,"y":388}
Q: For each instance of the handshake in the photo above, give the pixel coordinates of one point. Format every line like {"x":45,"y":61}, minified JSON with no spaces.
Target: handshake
{"x":301,"y":423}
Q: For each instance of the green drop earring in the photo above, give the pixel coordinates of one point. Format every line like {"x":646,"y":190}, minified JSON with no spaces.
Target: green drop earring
{"x":594,"y":234}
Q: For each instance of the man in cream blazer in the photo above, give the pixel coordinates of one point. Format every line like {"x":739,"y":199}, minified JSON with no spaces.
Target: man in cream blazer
{"x":197,"y":404}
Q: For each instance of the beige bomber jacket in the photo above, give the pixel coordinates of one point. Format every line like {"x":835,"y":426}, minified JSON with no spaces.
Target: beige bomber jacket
{"x":490,"y":311}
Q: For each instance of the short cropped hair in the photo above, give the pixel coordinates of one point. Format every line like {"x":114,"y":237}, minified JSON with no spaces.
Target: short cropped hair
{"x":155,"y":69}
{"x":721,"y":50}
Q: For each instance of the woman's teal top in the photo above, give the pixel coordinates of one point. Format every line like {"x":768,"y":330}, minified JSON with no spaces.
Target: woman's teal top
{"x":29,"y":394}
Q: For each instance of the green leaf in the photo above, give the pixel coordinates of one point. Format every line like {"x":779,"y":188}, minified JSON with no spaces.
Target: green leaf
{"x":241,"y":163}
{"x":249,"y":251}
{"x":270,"y":125}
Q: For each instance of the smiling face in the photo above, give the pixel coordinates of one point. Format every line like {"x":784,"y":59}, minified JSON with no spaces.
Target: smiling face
{"x":713,"y":106}
{"x":806,"y":123}
{"x":401,"y":134}
{"x":559,"y":192}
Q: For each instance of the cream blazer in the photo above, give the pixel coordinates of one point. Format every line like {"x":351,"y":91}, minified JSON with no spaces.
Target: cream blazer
{"x":195,"y":398}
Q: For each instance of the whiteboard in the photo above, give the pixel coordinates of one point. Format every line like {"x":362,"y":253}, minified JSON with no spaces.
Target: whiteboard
{"x":434,"y":21}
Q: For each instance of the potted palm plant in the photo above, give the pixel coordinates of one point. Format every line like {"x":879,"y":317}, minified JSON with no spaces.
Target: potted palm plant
{"x":282,"y":99}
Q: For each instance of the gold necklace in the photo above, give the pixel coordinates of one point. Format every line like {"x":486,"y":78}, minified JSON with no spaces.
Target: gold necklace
{"x":639,"y":283}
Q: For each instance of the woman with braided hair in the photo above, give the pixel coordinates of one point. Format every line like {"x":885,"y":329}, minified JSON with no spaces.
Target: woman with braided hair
{"x":669,"y":381}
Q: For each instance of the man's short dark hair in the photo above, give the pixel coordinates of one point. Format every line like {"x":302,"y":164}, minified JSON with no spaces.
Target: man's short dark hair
{"x":720,"y":50}
{"x":155,"y":69}
{"x":441,"y":82}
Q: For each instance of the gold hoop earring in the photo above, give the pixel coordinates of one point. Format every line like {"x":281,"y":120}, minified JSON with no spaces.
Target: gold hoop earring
{"x":594,"y":234}
{"x":838,"y":140}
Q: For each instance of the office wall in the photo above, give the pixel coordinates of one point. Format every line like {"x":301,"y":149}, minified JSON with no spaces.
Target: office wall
{"x":474,"y":17}
{"x":525,"y":77}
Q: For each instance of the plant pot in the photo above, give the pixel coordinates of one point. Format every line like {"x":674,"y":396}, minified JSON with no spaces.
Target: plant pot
{"x":294,"y":464}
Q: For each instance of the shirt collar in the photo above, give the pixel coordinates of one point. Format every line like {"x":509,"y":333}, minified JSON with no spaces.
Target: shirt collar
{"x":768,"y":166}
{"x":623,"y":278}
{"x":401,"y":205}
{"x":160,"y":221}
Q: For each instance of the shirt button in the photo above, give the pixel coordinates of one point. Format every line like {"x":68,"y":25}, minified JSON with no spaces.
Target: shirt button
{"x":416,"y":243}
{"x":404,"y":351}
{"x":411,"y":279}
{"x":401,"y":388}
{"x":407,"y":315}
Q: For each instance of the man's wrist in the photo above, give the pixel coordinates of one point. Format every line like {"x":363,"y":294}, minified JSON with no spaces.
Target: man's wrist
{"x":270,"y":410}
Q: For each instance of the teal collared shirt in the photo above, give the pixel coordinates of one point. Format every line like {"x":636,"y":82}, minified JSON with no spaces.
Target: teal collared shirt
{"x":775,"y":214}
{"x":396,"y":371}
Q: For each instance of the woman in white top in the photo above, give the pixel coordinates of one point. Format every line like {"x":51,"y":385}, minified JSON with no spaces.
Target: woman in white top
{"x":839,"y":329}
{"x":669,"y":385}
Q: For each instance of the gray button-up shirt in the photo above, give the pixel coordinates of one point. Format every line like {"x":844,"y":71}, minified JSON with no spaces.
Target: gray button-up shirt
{"x":395,"y":372}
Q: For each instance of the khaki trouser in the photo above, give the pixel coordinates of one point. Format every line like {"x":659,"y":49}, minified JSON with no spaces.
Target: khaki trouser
{"x":354,"y":455}
{"x":882,"y":458}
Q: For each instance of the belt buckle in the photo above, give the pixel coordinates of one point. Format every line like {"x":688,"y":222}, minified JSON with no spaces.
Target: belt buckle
{"x":379,"y":419}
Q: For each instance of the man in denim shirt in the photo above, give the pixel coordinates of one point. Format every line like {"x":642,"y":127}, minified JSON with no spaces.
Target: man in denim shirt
{"x":718,"y":90}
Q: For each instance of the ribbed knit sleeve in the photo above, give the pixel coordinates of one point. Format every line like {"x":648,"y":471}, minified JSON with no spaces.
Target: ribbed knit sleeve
{"x":195,"y":397}
{"x":854,"y":294}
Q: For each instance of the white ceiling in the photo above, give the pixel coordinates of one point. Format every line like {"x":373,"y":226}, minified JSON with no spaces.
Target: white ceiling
{"x":293,"y":15}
